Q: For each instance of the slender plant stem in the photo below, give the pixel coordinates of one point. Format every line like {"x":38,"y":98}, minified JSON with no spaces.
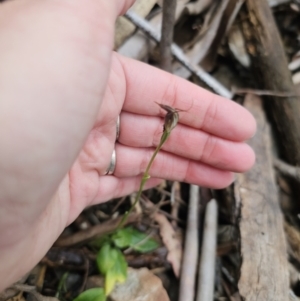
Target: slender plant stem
{"x":146,"y":176}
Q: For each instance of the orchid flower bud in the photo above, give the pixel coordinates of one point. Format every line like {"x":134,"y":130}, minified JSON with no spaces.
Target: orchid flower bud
{"x":171,"y":118}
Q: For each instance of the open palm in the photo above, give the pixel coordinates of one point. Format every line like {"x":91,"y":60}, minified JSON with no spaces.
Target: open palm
{"x":205,"y":148}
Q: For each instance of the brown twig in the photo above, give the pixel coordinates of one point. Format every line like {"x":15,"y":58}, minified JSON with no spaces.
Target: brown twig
{"x":287,"y":169}
{"x":95,"y":231}
{"x":167,"y":193}
{"x":156,"y":209}
{"x":227,"y":290}
{"x":156,"y":259}
{"x":169,"y":8}
{"x":85,"y":274}
{"x":172,"y":218}
{"x":32,"y":290}
{"x":120,"y":202}
{"x":40,"y":278}
{"x":263,"y":92}
{"x":175,"y":194}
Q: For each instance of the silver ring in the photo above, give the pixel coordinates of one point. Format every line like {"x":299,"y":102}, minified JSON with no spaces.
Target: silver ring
{"x":112,"y":165}
{"x":118,"y":128}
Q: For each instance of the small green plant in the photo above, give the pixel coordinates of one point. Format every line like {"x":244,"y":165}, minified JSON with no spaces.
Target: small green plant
{"x":61,"y":285}
{"x":131,"y":238}
{"x":171,"y":120}
{"x":112,"y":264}
{"x":110,"y":260}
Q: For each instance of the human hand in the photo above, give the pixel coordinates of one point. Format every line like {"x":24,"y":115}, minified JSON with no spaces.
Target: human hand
{"x":62,"y":90}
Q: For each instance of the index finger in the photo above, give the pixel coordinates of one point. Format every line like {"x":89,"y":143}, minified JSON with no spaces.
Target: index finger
{"x":205,"y":110}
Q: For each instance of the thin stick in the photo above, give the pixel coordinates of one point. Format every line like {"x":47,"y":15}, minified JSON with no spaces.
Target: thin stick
{"x":206,"y":281}
{"x":169,"y":8}
{"x":263,"y":92}
{"x":174,"y":203}
{"x":287,"y":169}
{"x":177,"y":52}
{"x":83,"y":236}
{"x":190,"y":256}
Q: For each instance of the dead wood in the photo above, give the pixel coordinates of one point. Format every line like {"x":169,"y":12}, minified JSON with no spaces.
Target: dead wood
{"x":138,"y":46}
{"x":168,"y":21}
{"x":271,"y":68}
{"x":264,"y":270}
{"x":93,"y":232}
{"x":293,"y":240}
{"x":179,"y":55}
{"x":204,"y":47}
{"x":222,"y":22}
{"x":241,"y":91}
{"x":124,"y":28}
{"x":206,"y":281}
{"x":191,"y":249}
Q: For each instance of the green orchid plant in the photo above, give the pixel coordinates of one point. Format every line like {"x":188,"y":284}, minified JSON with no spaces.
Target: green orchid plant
{"x":110,"y":260}
{"x":170,"y":122}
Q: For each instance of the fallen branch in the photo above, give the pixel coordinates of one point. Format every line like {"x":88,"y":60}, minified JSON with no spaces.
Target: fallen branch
{"x":263,"y":92}
{"x":206,"y":283}
{"x":190,"y":256}
{"x":287,"y":169}
{"x":138,"y":46}
{"x":177,"y":52}
{"x":271,"y":67}
{"x":175,"y":194}
{"x":95,"y":231}
{"x":169,"y":8}
{"x":264,"y":269}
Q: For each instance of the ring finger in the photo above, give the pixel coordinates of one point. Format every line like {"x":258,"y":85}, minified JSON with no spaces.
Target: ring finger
{"x":133,"y":161}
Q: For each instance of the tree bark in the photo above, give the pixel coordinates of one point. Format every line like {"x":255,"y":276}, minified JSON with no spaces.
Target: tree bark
{"x":168,"y":21}
{"x":271,"y":70}
{"x":264,"y":269}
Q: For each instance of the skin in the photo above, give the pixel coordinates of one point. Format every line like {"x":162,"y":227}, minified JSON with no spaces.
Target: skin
{"x":61,"y":90}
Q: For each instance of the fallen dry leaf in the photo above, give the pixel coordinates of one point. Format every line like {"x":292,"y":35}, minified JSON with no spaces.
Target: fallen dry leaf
{"x":171,"y":240}
{"x":141,"y":284}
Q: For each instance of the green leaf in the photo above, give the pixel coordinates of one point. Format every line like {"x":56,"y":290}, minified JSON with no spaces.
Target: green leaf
{"x":147,"y":246}
{"x":120,"y":267}
{"x":122,"y":238}
{"x":112,"y":277}
{"x":117,"y":272}
{"x":130,"y":237}
{"x":93,"y":294}
{"x":62,"y":285}
{"x":110,"y":281}
{"x":106,"y":258}
{"x":112,"y":264}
